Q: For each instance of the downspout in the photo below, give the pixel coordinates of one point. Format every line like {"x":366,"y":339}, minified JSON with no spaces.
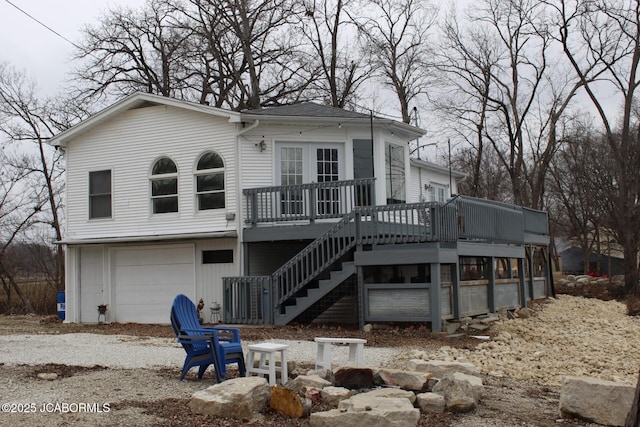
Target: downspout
{"x":239,"y":199}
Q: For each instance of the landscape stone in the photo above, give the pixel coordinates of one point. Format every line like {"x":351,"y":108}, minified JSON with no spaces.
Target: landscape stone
{"x":289,"y":402}
{"x":333,"y":395}
{"x":431,"y":402}
{"x":441,"y":368}
{"x":460,"y":392}
{"x":479,"y":327}
{"x":524,"y":313}
{"x":374,"y":412}
{"x":302,"y":382}
{"x":452,"y":327}
{"x":353,"y":377}
{"x":325,"y":374}
{"x":388,"y":393}
{"x":313,"y":394}
{"x":240,"y":398}
{"x":407,"y":380}
{"x":48,"y":376}
{"x":596,"y":400}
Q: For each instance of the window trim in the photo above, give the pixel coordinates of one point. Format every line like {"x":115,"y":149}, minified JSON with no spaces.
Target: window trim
{"x":91,"y":196}
{"x":203,"y":172}
{"x":173,"y":175}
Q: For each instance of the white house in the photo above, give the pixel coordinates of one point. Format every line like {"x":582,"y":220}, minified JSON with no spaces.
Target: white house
{"x":166,"y":197}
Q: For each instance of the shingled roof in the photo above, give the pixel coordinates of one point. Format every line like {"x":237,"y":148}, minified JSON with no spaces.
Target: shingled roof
{"x":307,"y":109}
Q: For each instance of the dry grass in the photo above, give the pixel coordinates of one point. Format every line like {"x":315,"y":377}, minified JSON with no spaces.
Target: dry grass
{"x":42,"y":296}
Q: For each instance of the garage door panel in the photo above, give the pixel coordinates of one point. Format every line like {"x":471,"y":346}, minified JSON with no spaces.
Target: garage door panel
{"x":150,"y":275}
{"x":156,"y":256}
{"x":146,"y":279}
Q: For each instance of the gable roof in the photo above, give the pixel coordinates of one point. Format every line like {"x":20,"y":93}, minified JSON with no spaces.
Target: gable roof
{"x":307,"y":112}
{"x":134,"y":101}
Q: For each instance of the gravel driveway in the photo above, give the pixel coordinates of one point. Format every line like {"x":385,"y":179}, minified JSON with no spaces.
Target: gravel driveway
{"x":136,"y":377}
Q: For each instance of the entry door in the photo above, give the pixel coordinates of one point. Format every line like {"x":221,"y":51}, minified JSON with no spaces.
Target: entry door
{"x":299,"y":163}
{"x":327,"y":169}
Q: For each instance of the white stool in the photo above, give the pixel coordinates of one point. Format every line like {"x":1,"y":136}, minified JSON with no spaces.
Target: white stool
{"x":270,"y":349}
{"x":323,"y":357}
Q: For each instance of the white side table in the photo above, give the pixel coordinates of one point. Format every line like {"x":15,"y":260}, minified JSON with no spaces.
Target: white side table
{"x":323,"y":357}
{"x":270,"y":349}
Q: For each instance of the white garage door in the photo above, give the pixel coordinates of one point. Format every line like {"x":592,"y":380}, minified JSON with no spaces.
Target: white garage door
{"x":147,"y":278}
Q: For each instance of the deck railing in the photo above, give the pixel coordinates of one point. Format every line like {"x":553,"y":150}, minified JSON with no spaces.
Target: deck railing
{"x":489,"y":221}
{"x":460,"y":218}
{"x":308,"y":202}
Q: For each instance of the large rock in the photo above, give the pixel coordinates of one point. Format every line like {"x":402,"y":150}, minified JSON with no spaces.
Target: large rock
{"x":441,"y":368}
{"x":375,"y":412}
{"x":303,"y":382}
{"x":289,"y":402}
{"x":431,"y":402}
{"x":600,"y":401}
{"x":461,"y":392}
{"x":325,"y":374}
{"x":407,"y":380}
{"x":353,"y":377}
{"x":333,"y":395}
{"x":241,"y":398}
{"x":386,"y":392}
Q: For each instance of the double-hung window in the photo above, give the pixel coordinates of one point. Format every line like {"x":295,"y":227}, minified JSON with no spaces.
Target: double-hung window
{"x":164,"y":186}
{"x":210,"y":182}
{"x":100,"y":194}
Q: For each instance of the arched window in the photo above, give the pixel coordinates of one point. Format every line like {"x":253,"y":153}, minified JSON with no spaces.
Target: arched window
{"x":164,"y":186}
{"x":210,"y":181}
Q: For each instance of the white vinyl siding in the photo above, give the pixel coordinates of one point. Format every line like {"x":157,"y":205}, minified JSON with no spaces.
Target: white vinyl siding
{"x":127,"y":145}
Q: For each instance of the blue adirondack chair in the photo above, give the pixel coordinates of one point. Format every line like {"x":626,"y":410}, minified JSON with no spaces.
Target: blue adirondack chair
{"x":217,"y":346}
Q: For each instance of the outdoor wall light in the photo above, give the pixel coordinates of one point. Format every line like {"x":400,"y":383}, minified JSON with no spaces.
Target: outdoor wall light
{"x":261,"y":145}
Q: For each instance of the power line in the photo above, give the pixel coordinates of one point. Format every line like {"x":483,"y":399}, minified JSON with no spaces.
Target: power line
{"x":44,"y":25}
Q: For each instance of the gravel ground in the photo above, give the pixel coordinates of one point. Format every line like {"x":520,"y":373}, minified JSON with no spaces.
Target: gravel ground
{"x":122,"y":379}
{"x":131,"y":352}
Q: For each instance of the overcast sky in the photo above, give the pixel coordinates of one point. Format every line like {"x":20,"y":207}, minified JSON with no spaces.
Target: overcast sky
{"x":29,"y":46}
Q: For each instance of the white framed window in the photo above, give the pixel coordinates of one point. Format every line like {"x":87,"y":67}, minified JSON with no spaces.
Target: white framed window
{"x":209,"y":176}
{"x":395,"y":173}
{"x":299,"y":163}
{"x":164,"y":186}
{"x":439,"y":192}
{"x":100,"y":194}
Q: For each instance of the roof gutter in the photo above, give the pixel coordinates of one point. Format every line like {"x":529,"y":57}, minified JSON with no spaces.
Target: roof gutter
{"x":149,"y":238}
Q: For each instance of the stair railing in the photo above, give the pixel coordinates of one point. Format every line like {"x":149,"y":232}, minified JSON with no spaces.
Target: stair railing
{"x":314,"y":258}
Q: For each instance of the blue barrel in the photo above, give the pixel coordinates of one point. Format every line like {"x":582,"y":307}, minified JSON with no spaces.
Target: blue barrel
{"x":61,"y":305}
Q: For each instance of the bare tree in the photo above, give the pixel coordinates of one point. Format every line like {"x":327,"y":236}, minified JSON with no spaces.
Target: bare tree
{"x":330,"y":30}
{"x":603,"y":38}
{"x":578,"y":176}
{"x":397,"y":41}
{"x":21,"y":206}
{"x":250,"y":51}
{"x":25,"y":119}
{"x":135,"y":50}
{"x":507,"y":90}
{"x":466,"y":60}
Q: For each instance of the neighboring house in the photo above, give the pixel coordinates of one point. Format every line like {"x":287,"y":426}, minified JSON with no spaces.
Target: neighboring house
{"x":293,"y":213}
{"x":572,"y":260}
